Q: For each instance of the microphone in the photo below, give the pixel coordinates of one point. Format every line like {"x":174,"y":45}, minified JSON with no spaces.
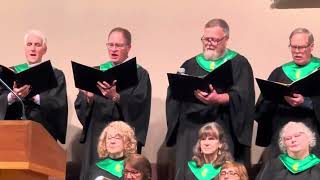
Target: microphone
{"x":181,"y":71}
{"x":23,"y":117}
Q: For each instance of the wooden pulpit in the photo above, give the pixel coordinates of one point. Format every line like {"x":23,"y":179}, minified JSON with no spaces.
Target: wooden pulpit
{"x":29,"y":152}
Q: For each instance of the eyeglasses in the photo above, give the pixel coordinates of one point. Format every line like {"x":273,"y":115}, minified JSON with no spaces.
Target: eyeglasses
{"x":207,"y":40}
{"x":115,"y":45}
{"x":133,"y":173}
{"x":230,"y":173}
{"x":299,"y":48}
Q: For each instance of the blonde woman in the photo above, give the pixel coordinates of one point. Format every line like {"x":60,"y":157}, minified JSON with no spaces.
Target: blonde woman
{"x":116,"y":142}
{"x":233,"y":171}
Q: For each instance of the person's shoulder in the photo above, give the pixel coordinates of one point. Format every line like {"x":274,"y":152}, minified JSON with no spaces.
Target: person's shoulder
{"x":276,"y":71}
{"x":142,"y":69}
{"x":239,"y":58}
{"x":273,"y":164}
{"x":191,"y":62}
{"x":57,"y":70}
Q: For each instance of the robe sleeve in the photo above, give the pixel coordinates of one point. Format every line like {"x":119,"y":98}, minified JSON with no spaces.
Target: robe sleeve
{"x":173,"y":112}
{"x":83,"y":111}
{"x":264,"y":111}
{"x":241,"y":101}
{"x":265,"y":172}
{"x":316,"y":108}
{"x":54,"y":108}
{"x":135,"y":106}
{"x":173,"y":109}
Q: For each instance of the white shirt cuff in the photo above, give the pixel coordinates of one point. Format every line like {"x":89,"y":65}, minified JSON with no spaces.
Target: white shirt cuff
{"x":11,"y":100}
{"x":36,"y":99}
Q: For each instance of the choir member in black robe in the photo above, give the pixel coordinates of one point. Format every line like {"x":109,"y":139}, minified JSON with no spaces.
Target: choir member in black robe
{"x":296,"y":162}
{"x":272,"y":115}
{"x":232,"y":110}
{"x":131,"y":105}
{"x":137,"y":167}
{"x":116,"y":142}
{"x":50,"y":107}
{"x":231,"y":170}
{"x":209,"y":154}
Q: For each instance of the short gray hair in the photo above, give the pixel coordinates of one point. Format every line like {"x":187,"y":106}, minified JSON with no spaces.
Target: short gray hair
{"x":218,"y":22}
{"x":36,"y":33}
{"x":303,"y":128}
{"x":125,"y":32}
{"x":304,"y":31}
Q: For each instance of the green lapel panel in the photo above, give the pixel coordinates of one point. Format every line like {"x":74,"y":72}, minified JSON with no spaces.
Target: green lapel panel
{"x":206,"y":172}
{"x":296,"y":72}
{"x":296,"y":166}
{"x":210,"y":65}
{"x":21,"y":67}
{"x":114,"y":167}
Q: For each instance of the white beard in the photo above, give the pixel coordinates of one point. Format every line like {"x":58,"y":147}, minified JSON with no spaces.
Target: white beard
{"x":210,"y":54}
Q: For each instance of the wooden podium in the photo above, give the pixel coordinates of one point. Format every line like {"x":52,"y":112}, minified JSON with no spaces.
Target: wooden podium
{"x":28,"y":152}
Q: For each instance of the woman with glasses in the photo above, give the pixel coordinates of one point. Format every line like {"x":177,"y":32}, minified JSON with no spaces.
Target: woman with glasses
{"x":116,"y":142}
{"x":296,"y":162}
{"x":131,"y":105}
{"x":209,"y":154}
{"x":233,"y":171}
{"x":137,"y":167}
{"x":272,"y":115}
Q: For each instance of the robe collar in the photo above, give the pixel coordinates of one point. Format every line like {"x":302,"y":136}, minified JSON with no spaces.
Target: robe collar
{"x":205,"y":172}
{"x":210,"y":65}
{"x":295,"y":165}
{"x":109,"y":64}
{"x":113,"y":166}
{"x":296,"y":72}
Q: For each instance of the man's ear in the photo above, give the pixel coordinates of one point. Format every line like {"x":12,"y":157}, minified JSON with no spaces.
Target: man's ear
{"x":45,"y":49}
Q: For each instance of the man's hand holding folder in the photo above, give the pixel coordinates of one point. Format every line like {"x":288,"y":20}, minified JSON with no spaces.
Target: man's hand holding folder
{"x":30,"y":82}
{"x":213,"y":97}
{"x":210,"y":89}
{"x":107,"y":83}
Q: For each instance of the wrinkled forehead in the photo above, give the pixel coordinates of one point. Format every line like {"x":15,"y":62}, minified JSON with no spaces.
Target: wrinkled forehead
{"x":299,"y":37}
{"x":117,"y":37}
{"x":33,"y":38}
{"x":215,"y":32}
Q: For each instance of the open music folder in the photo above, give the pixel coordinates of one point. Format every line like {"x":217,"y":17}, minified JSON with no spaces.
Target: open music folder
{"x":86,"y":77}
{"x":275,"y":91}
{"x":40,"y":77}
{"x":182,"y":86}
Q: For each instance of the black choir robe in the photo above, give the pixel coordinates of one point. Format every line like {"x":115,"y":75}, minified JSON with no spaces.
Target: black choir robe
{"x":184,"y":119}
{"x":52,"y":112}
{"x":275,"y":170}
{"x":271,"y":117}
{"x":133,"y":108}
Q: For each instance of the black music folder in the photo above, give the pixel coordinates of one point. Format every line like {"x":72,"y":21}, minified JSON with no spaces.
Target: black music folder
{"x":182,"y":86}
{"x":86,"y":77}
{"x":40,"y":77}
{"x":275,"y":91}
